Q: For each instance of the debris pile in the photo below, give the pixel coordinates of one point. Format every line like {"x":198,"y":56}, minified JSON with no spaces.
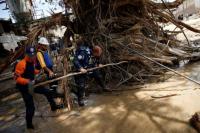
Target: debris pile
{"x":121,"y":26}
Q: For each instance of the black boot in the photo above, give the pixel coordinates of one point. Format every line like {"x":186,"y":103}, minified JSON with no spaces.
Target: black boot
{"x":80,"y":95}
{"x":106,"y":89}
{"x":30,"y":126}
{"x":58,"y":95}
{"x":103,"y":85}
{"x":55,"y":107}
{"x":81,"y":102}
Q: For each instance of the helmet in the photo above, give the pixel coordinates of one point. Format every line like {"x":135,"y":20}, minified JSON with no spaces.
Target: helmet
{"x":43,"y":41}
{"x":30,"y":51}
{"x":97,"y":51}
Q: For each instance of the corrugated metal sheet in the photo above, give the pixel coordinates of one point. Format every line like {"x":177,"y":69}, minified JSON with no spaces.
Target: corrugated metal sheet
{"x":197,"y":4}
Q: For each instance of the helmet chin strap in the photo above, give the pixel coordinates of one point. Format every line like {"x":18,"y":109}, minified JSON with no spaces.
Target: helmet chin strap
{"x":42,"y":47}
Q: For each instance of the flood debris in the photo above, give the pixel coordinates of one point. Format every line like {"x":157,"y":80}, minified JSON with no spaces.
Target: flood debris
{"x":195,"y":121}
{"x":136,"y":24}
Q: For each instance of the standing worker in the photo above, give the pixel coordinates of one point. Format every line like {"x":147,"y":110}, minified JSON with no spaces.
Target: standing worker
{"x":82,"y":61}
{"x":25,"y":73}
{"x":44,"y":61}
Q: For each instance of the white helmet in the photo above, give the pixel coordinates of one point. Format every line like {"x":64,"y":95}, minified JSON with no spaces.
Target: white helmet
{"x":43,"y":41}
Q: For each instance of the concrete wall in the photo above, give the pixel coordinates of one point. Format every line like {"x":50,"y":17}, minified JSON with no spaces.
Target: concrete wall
{"x":21,"y":10}
{"x":188,"y":7}
{"x":197,"y":4}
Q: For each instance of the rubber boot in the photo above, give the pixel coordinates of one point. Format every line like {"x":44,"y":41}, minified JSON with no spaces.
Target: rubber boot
{"x":55,"y":107}
{"x":30,"y":126}
{"x":81,"y":102}
{"x":106,"y":89}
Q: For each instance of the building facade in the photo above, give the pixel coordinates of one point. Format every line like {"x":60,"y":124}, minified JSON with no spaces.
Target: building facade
{"x":188,"y":8}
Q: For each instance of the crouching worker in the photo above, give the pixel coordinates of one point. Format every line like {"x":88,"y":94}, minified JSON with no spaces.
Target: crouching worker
{"x":25,"y":73}
{"x":82,"y":61}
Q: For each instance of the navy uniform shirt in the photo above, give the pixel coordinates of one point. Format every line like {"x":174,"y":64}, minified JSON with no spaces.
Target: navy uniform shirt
{"x":83,"y":58}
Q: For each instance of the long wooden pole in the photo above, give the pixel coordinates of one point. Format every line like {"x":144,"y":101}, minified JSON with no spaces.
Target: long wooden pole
{"x":77,"y":73}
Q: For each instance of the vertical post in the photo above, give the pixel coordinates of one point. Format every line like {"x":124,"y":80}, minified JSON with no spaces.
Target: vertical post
{"x":67,"y":99}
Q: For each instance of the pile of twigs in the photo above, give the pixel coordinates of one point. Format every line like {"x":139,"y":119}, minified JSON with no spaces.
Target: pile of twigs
{"x":134,"y":24}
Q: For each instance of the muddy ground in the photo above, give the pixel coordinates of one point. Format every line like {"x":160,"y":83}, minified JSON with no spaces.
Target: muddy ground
{"x":120,"y":112}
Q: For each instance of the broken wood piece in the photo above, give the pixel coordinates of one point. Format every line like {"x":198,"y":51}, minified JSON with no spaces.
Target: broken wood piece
{"x":164,"y":96}
{"x":163,"y":61}
{"x":195,"y":121}
{"x":6,"y":77}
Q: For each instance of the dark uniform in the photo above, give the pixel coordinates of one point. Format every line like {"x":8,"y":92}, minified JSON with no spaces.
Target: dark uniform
{"x":83,"y":59}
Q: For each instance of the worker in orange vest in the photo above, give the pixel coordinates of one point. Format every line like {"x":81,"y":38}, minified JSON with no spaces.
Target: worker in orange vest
{"x":25,"y":73}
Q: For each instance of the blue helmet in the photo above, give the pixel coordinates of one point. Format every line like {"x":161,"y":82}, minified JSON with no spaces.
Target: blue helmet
{"x":30,"y":51}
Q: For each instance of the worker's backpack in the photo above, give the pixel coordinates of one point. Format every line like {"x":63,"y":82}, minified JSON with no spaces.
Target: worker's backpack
{"x":47,"y":59}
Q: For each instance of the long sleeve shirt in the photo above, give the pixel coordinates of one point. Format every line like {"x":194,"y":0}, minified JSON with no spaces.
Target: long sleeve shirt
{"x":25,"y":71}
{"x":83,"y":58}
{"x":40,"y":59}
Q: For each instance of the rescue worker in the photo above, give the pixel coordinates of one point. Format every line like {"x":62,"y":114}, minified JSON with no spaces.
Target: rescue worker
{"x":82,"y":61}
{"x":25,"y":73}
{"x":44,"y":61}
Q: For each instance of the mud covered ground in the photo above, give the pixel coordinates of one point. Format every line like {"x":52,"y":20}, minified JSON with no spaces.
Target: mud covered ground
{"x":120,"y":112}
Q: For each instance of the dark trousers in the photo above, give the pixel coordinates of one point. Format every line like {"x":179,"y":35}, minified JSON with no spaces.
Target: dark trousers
{"x":80,"y":81}
{"x":29,"y":103}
